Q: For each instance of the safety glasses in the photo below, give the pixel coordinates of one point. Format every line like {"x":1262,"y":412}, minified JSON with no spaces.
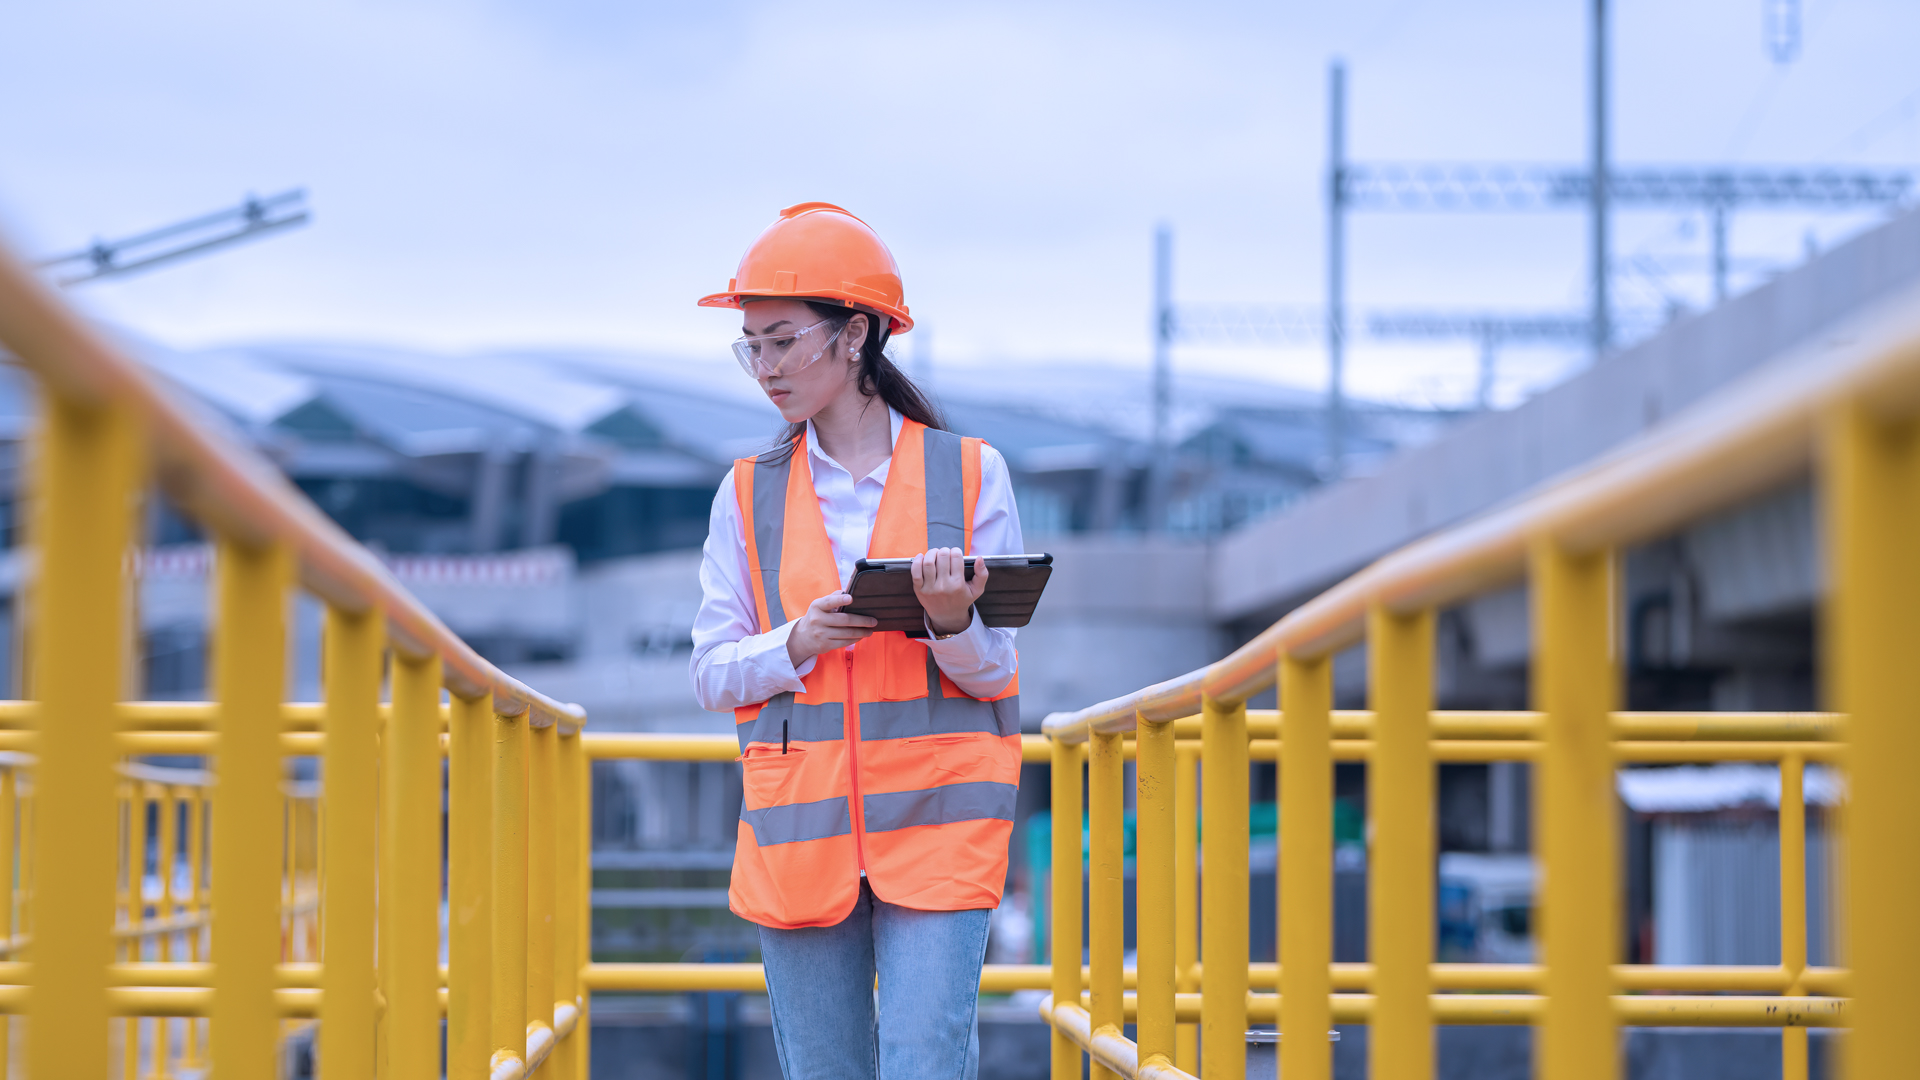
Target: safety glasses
{"x":765,"y":356}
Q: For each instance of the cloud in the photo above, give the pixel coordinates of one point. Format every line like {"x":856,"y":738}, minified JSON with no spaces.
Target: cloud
{"x":576,"y":173}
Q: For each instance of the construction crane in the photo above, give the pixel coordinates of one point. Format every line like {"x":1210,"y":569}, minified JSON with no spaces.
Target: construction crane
{"x":252,"y":219}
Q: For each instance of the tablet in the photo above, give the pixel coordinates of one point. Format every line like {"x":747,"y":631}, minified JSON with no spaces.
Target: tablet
{"x":883,"y":590}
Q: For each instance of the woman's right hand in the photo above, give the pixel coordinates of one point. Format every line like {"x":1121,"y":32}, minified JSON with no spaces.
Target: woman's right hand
{"x":825,"y":628}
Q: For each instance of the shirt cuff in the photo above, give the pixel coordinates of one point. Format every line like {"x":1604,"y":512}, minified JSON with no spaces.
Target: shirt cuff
{"x":966,"y":643}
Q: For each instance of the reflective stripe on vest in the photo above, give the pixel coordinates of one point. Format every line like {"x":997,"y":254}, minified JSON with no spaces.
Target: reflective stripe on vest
{"x":937,"y":769}
{"x":769,"y":525}
{"x":795,"y":822}
{"x":782,"y":719}
{"x":803,"y":722}
{"x":937,"y":714}
{"x":939,"y":805}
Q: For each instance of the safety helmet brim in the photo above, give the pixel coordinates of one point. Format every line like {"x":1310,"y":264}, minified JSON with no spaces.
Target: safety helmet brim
{"x":818,"y":251}
{"x":898,"y":321}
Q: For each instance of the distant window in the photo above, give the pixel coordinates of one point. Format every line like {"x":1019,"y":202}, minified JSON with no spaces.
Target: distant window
{"x":635,"y":521}
{"x":1042,"y":512}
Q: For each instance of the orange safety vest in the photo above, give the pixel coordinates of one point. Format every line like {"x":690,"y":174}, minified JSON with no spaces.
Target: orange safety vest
{"x":920,"y":792}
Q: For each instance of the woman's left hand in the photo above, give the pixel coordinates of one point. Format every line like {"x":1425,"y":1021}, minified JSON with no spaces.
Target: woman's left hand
{"x":940,"y":581}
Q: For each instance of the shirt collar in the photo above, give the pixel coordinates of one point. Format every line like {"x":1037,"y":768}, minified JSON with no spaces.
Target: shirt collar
{"x":894,"y":422}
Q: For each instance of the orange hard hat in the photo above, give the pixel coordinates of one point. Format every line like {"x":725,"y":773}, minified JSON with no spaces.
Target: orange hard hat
{"x":817,"y":251}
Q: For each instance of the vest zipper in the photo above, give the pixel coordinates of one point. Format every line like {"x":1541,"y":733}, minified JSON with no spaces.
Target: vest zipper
{"x":852,"y":727}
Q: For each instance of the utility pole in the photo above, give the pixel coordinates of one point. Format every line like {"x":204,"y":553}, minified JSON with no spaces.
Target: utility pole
{"x":1160,"y":479}
{"x":1336,"y":268}
{"x":1719,"y":212}
{"x":1602,"y":320}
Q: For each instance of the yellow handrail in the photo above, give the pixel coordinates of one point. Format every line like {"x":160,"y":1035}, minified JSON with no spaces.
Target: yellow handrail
{"x":220,"y":973}
{"x":234,"y":492}
{"x":1846,"y":407}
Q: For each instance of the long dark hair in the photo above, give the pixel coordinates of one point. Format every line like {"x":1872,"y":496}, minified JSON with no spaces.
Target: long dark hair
{"x":879,"y":376}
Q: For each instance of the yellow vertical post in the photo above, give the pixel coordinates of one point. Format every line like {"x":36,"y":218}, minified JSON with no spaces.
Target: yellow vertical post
{"x":190,"y":1040}
{"x":540,"y":889}
{"x":1573,"y":684}
{"x":1873,"y":507}
{"x":9,"y":792}
{"x":1305,"y":932}
{"x":88,"y":468}
{"x":509,"y":889}
{"x":354,"y":643}
{"x":165,"y":865}
{"x":1793,"y":905}
{"x":1186,"y":896}
{"x":1223,"y":891}
{"x":249,"y":657}
{"x":136,"y":908}
{"x":1066,"y":898}
{"x":289,"y":868}
{"x":410,"y":899}
{"x":469,"y":888}
{"x":1400,"y":864}
{"x":569,"y":900}
{"x":583,"y":846}
{"x":1154,"y":874}
{"x":1106,"y":886}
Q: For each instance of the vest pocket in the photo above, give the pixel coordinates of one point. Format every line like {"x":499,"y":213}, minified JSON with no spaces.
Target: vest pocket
{"x":767,"y":776}
{"x":957,"y":757}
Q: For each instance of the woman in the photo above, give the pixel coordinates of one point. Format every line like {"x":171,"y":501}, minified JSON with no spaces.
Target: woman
{"x":879,"y":769}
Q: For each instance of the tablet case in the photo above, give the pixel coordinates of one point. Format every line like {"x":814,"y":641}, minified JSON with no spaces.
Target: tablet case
{"x":886,"y":593}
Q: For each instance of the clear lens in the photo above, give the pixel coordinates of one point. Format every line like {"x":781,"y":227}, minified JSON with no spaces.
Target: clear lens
{"x":768,"y":355}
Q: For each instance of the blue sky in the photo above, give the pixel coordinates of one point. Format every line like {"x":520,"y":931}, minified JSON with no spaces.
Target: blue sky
{"x":575,"y":173}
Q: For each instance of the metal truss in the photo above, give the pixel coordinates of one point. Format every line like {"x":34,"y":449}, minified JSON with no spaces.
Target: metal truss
{"x":251,"y":219}
{"x":1444,"y":187}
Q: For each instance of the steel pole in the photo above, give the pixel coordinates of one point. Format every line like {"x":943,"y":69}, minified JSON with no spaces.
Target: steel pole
{"x":355,"y":645}
{"x":1400,"y":873}
{"x":1336,"y":268}
{"x":1574,"y":685}
{"x":1871,"y":470}
{"x":1602,"y":310}
{"x":1223,"y":891}
{"x":1155,"y":795}
{"x":1305,"y":916}
{"x":1106,"y":890}
{"x":1161,"y":478}
{"x":1719,"y":252}
{"x":1068,"y":762}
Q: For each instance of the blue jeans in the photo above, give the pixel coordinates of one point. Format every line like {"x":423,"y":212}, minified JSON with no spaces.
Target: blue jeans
{"x":820,"y":981}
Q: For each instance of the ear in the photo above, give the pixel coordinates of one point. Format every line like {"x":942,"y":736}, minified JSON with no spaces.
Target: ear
{"x":855,"y":335}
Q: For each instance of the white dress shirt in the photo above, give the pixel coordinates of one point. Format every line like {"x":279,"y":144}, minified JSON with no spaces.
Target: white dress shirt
{"x":736,"y":662}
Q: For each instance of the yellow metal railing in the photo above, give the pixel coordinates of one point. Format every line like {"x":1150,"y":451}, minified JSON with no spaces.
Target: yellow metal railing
{"x":1843,"y":408}
{"x":293,"y":906}
{"x":261,"y":904}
